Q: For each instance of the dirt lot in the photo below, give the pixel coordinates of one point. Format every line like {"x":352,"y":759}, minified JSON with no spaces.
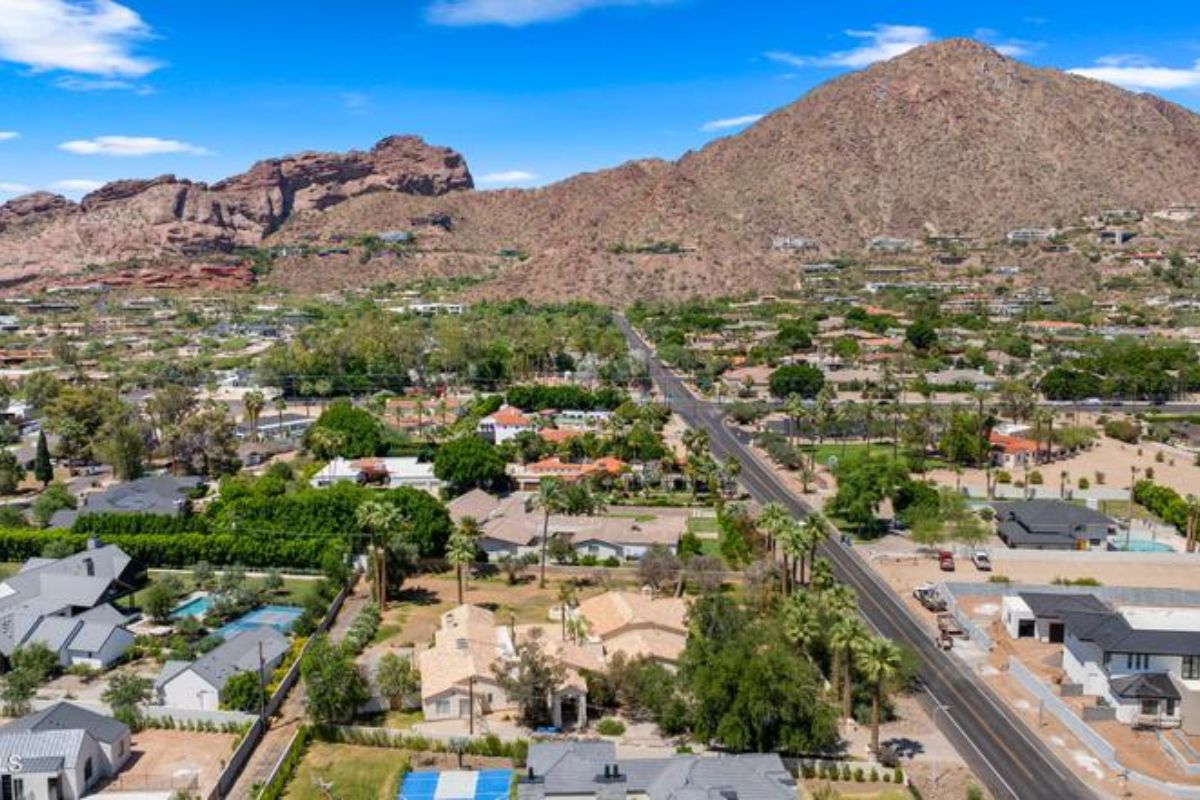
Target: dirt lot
{"x":165,"y":760}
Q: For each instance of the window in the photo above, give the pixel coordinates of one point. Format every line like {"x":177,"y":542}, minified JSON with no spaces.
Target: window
{"x":442,"y":707}
{"x":1191,"y":668}
{"x":1150,"y":707}
{"x":1137,"y":661}
{"x":53,"y":789}
{"x":18,"y":788}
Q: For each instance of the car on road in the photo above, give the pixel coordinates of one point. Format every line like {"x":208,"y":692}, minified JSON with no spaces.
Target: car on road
{"x":946,"y":561}
{"x":1092,"y":401}
{"x":981,"y":560}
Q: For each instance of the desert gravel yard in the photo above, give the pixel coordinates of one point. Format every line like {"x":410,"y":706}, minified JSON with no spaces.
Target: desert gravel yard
{"x":167,"y":760}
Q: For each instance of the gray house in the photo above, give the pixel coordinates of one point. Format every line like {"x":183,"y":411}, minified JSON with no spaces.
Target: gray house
{"x":66,"y":604}
{"x":1051,"y":525}
{"x":592,"y":769}
{"x":158,"y":494}
{"x":198,"y":684}
{"x":65,"y":752}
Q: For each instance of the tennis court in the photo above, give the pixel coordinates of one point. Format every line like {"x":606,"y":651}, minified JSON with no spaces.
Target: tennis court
{"x":487,"y":784}
{"x":280,"y":618}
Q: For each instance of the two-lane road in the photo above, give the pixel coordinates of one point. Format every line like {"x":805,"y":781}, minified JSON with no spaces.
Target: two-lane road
{"x":999,"y":748}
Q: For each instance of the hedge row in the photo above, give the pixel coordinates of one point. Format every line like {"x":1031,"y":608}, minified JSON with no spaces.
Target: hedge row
{"x":1164,"y":502}
{"x":183,"y":550}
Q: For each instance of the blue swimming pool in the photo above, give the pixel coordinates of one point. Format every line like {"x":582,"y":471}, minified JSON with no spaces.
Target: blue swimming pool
{"x":1143,"y":546}
{"x":281,"y":618}
{"x":196,"y":607}
{"x":486,"y":784}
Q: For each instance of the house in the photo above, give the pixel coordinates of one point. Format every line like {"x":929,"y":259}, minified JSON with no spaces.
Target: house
{"x":1013,"y":452}
{"x":388,"y":473}
{"x":198,"y":684}
{"x":64,"y":752}
{"x":65,"y":604}
{"x":1141,"y":662}
{"x":528,"y":477}
{"x":1051,"y":525}
{"x":637,"y":625}
{"x":591,"y":769}
{"x":458,"y":672}
{"x":513,"y":526}
{"x":1027,"y":235}
{"x":505,"y":424}
{"x":158,"y":494}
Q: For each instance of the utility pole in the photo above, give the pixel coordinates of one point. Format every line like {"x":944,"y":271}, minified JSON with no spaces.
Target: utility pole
{"x":262,"y":688}
{"x":1133,"y":470}
{"x":471,"y":705}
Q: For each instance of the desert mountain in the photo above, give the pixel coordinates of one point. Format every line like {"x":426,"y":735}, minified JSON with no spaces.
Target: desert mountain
{"x":950,"y":137}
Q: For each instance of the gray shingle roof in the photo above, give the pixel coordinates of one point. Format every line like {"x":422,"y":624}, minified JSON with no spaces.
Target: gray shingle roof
{"x":239,"y":653}
{"x":53,"y":632}
{"x":158,"y":494}
{"x":1054,"y":604}
{"x":1149,"y":686}
{"x":68,"y":717}
{"x":1049,"y":521}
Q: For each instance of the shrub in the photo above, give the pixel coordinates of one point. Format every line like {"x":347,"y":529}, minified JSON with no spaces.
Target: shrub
{"x":874,"y":775}
{"x":999,"y":579}
{"x":1035,"y":478}
{"x":1084,"y":484}
{"x":610,"y":727}
{"x":859,"y":775}
{"x":1003,"y":476}
{"x":1125,"y":430}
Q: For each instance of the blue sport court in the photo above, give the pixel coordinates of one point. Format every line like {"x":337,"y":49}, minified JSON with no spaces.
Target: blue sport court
{"x":486,"y":784}
{"x":280,"y":618}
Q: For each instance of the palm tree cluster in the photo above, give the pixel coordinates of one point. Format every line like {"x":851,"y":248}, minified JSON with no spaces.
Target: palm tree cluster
{"x":792,"y":541}
{"x":823,"y":622}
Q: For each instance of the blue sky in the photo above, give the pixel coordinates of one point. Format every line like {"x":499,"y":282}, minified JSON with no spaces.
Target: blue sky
{"x":530,"y":91}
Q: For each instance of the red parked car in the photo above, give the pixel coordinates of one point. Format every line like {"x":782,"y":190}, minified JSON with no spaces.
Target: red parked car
{"x":946,"y":561}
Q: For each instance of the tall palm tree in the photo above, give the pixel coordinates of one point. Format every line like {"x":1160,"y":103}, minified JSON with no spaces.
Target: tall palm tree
{"x":794,"y":545}
{"x":816,"y":530}
{"x":796,"y":411}
{"x":1192,"y":504}
{"x":772,"y":519}
{"x":254,"y":401}
{"x":845,"y":637}
{"x":280,"y":406}
{"x":460,"y":551}
{"x":803,"y":622}
{"x":551,"y":498}
{"x":379,"y":520}
{"x":566,"y":600}
{"x":879,"y":664}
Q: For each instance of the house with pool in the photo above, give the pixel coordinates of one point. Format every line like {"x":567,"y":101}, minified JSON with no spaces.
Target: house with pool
{"x":197,"y":685}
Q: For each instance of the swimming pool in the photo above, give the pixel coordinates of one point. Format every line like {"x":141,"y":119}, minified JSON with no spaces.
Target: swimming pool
{"x":281,"y":618}
{"x":1143,"y":546}
{"x":196,"y":607}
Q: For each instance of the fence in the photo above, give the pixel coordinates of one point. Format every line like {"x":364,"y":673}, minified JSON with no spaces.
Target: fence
{"x":973,"y":631}
{"x":245,"y":749}
{"x":1122,"y":595}
{"x":1099,"y":746}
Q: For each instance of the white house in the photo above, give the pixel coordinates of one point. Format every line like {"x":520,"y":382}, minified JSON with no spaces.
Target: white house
{"x":64,"y":751}
{"x":198,"y":684}
{"x":389,"y":473}
{"x":507,"y":423}
{"x":97,"y":638}
{"x":1143,"y":662}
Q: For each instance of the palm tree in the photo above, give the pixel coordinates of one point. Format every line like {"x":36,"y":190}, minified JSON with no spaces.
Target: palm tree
{"x":566,"y":600}
{"x":879,"y":663}
{"x":1192,"y":505}
{"x":280,"y":406}
{"x":845,"y":637}
{"x":460,"y":551}
{"x":772,"y":519}
{"x":791,"y":537}
{"x":816,"y":530}
{"x":796,"y":410}
{"x":379,"y":521}
{"x":551,"y":499}
{"x":306,"y":391}
{"x":254,"y":402}
{"x":803,"y":621}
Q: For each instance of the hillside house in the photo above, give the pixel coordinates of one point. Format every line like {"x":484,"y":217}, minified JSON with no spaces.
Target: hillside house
{"x":1030,"y":235}
{"x":504,"y":425}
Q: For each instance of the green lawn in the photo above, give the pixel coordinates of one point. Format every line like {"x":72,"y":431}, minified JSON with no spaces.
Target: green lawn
{"x":704,"y":527}
{"x":356,"y":773}
{"x":1119,"y":510}
{"x":9,"y":568}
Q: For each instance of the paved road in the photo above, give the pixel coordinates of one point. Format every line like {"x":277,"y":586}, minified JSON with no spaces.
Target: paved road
{"x":998,"y":747}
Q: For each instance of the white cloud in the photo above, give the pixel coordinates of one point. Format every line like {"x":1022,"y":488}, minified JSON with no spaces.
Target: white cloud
{"x":6,"y":136}
{"x":730,"y":122}
{"x":73,"y":83}
{"x":1140,"y":73}
{"x":127,"y":146}
{"x":508,"y":177}
{"x":91,"y":37}
{"x":516,"y":13}
{"x":76,"y":185}
{"x":13,"y":188}
{"x":879,"y":44}
{"x":355,"y":101}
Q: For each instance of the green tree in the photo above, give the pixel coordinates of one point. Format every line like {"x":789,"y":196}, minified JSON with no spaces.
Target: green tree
{"x":357,"y":430}
{"x":921,"y":334}
{"x":469,"y":462}
{"x":158,"y":602}
{"x":334,"y":687}
{"x":551,"y":498}
{"x":879,"y":662}
{"x":36,"y":660}
{"x":804,"y":380}
{"x":122,"y":443}
{"x":531,"y":679}
{"x":461,"y":550}
{"x":16,"y":692}
{"x":254,"y":402}
{"x":43,"y":469}
{"x":396,"y":679}
{"x":244,"y":692}
{"x":11,"y":472}
{"x":125,"y":695}
{"x":56,"y":497}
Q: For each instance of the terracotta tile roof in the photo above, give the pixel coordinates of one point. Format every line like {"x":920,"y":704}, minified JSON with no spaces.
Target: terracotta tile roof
{"x":510,"y":417}
{"x":1012,"y":444}
{"x":613,"y":613}
{"x":556,"y":435}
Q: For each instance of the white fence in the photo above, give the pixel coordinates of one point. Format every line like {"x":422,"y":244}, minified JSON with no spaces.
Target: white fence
{"x":1099,"y":746}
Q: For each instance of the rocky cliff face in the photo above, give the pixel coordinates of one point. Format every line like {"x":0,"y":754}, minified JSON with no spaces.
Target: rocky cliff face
{"x":167,"y":215}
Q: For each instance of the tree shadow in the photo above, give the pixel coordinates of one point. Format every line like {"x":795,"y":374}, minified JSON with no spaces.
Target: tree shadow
{"x":418,"y":596}
{"x":904,"y":747}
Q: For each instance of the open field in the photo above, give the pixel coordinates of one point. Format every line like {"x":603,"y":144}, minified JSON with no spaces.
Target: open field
{"x":356,"y":773}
